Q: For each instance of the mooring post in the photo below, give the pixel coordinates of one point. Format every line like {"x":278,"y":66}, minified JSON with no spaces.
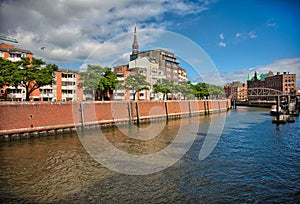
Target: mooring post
{"x":167,"y":113}
{"x":137,"y":113}
{"x":81,"y":110}
{"x":129,"y":112}
{"x":207,"y":108}
{"x":204,"y":103}
{"x":277,"y":107}
{"x":190,"y":110}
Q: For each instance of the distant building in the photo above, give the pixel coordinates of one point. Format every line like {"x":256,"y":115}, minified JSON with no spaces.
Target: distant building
{"x":154,"y":65}
{"x":236,"y":91}
{"x":64,"y":87}
{"x":10,"y":52}
{"x":285,"y":82}
{"x":167,"y":63}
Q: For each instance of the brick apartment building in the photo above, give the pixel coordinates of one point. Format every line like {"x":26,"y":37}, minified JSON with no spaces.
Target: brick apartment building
{"x":236,"y":91}
{"x":64,"y":87}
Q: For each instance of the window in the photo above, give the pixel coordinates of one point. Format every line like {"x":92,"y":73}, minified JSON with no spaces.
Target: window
{"x":23,"y":55}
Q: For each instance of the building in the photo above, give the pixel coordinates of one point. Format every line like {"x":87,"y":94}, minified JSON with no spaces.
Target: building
{"x":121,"y":72}
{"x":154,"y":65}
{"x":10,"y":52}
{"x":285,"y":82}
{"x":148,"y":67}
{"x":64,"y":87}
{"x":167,"y":63}
{"x":236,"y":91}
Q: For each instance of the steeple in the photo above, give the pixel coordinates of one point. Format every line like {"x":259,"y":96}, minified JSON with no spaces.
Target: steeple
{"x":135,"y":46}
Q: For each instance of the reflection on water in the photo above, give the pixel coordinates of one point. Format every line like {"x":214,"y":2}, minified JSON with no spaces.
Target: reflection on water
{"x":253,"y":162}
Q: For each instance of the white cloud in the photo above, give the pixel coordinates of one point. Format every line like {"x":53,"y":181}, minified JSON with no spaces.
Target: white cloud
{"x":221,"y":36}
{"x":252,"y":35}
{"x":271,"y":23}
{"x":291,"y":65}
{"x":71,"y":30}
{"x":222,"y":44}
{"x":238,"y":35}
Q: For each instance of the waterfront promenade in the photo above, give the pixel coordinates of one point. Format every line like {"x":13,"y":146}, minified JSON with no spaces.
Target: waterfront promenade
{"x":33,"y":119}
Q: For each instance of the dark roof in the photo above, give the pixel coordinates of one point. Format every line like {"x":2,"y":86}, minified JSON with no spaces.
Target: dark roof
{"x":15,"y":50}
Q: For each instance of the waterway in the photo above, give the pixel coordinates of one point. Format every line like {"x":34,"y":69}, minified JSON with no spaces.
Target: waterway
{"x":254,"y":161}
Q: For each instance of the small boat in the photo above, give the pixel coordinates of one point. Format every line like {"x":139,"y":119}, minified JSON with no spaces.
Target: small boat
{"x":273,"y":111}
{"x":290,"y":119}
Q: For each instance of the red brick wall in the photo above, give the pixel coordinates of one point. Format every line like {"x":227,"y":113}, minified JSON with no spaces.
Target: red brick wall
{"x":29,"y":117}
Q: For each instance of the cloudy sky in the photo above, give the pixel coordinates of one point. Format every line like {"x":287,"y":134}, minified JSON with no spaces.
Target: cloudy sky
{"x":231,"y":36}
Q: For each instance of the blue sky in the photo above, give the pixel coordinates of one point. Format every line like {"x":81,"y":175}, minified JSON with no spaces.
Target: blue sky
{"x":238,"y":36}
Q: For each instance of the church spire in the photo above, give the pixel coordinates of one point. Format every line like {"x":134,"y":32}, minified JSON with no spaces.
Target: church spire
{"x":135,"y":46}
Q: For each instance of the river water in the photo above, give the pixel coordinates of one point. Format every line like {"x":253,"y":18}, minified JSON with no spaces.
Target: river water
{"x":254,"y":161}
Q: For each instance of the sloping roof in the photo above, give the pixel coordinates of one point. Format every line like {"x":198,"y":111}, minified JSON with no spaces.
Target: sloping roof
{"x":262,"y":77}
{"x":15,"y":50}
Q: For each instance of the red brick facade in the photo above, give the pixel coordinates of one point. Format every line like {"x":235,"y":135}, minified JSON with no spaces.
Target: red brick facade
{"x":31,"y":117}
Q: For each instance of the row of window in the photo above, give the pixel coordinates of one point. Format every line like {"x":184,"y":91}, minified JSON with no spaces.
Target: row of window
{"x":68,"y":83}
{"x":63,"y":75}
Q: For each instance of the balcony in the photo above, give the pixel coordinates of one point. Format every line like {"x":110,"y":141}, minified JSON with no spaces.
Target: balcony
{"x":46,"y":95}
{"x":68,"y":79}
{"x":14,"y":59}
{"x":68,"y":95}
{"x":70,"y":87}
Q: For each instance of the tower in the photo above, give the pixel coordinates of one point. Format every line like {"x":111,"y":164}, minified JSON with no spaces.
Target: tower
{"x":135,"y":47}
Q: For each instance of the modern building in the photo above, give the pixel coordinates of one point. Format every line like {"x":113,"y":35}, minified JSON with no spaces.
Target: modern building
{"x":167,"y":63}
{"x":154,"y":65}
{"x":64,"y":87}
{"x":10,"y":52}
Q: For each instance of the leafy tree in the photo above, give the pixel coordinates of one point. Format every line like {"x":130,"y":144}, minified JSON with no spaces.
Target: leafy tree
{"x":185,"y":88}
{"x":203,"y":90}
{"x":137,"y":83}
{"x":200,"y":90}
{"x":98,"y":79}
{"x":164,"y":86}
{"x":108,"y":82}
{"x":215,"y":91}
{"x":28,"y":74}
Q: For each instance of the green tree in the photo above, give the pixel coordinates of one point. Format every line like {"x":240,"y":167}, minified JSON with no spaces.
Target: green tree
{"x":108,"y":83}
{"x":98,"y":79}
{"x":215,"y":91}
{"x":137,"y":83}
{"x":28,"y":74}
{"x":185,"y":88}
{"x":200,"y":90}
{"x":164,"y":86}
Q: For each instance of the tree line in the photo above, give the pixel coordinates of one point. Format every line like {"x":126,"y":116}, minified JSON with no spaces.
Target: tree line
{"x":30,"y":74}
{"x":99,"y":81}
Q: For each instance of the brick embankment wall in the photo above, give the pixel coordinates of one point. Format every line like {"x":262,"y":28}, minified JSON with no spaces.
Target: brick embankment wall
{"x":20,"y":117}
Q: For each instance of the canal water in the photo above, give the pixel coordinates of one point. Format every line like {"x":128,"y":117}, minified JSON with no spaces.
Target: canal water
{"x":254,"y":161}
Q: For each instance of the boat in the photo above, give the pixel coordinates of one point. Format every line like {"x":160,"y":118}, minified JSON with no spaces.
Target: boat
{"x":280,"y":120}
{"x":273,"y":111}
{"x":290,"y":119}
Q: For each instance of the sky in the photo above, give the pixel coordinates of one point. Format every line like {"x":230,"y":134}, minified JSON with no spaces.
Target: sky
{"x":215,"y":40}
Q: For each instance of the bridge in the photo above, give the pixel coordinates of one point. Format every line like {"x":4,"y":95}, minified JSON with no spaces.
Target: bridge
{"x":263,"y":92}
